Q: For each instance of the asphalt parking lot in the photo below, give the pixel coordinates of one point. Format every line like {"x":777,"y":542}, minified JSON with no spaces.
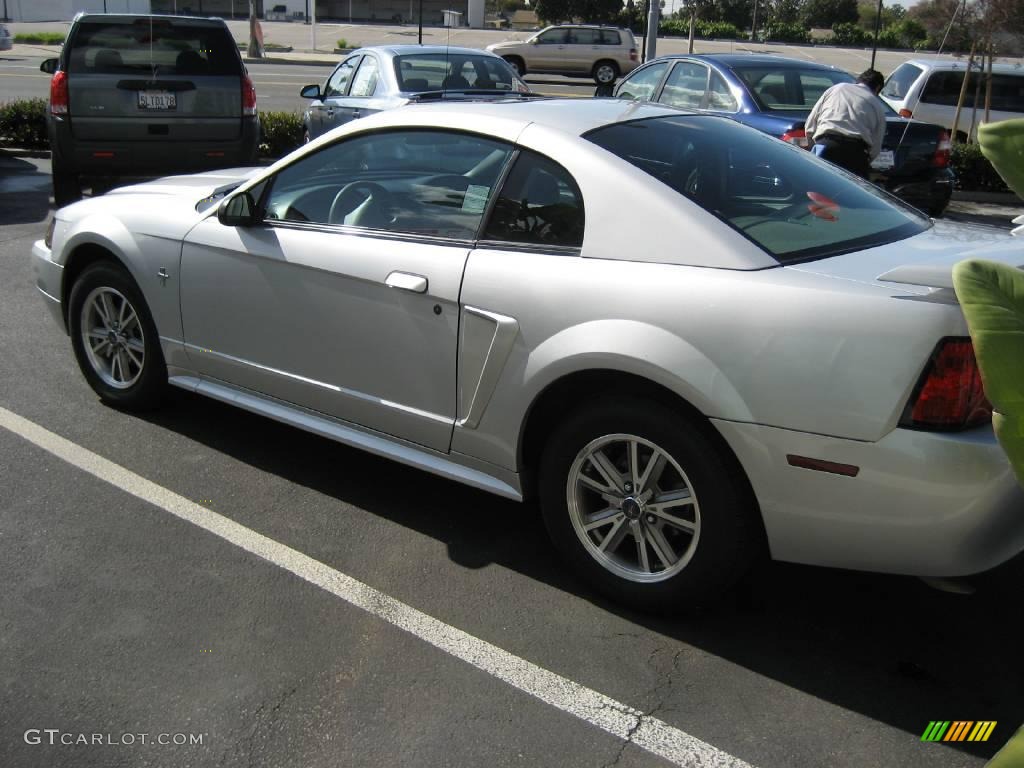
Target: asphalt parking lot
{"x":255,"y":595}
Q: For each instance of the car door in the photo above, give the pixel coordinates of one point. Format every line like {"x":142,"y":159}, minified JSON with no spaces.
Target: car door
{"x":322,"y":111}
{"x":344,"y":298}
{"x":582,"y":50}
{"x":686,"y":85}
{"x":361,"y":99}
{"x":547,"y":52}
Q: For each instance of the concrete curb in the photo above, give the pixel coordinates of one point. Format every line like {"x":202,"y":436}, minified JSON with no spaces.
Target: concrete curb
{"x":303,"y":62}
{"x":979,"y":196}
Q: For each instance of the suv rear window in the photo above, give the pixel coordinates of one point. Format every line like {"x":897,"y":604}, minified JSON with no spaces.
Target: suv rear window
{"x":610,"y":37}
{"x":152,"y":47}
{"x":899,"y":82}
{"x":944,"y":88}
{"x":779,"y":196}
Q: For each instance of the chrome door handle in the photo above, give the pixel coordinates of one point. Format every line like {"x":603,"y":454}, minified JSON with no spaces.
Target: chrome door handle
{"x":407,"y":281}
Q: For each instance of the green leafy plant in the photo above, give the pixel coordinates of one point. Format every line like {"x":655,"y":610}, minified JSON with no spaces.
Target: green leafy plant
{"x":848,"y":34}
{"x":23,"y":124}
{"x":974,"y":171}
{"x":40,"y":38}
{"x":786,"y":32}
{"x":718,"y":30}
{"x":281,"y":133}
{"x":342,"y":43}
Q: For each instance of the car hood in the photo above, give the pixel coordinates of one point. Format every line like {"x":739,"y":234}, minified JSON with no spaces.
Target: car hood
{"x":165,"y":207}
{"x":922,"y":263}
{"x":507,"y":45}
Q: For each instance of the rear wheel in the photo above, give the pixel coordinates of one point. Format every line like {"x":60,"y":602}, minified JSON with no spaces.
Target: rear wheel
{"x":645,"y":506}
{"x":517,"y":64}
{"x":67,"y":187}
{"x":605,"y":72}
{"x":114,"y":338}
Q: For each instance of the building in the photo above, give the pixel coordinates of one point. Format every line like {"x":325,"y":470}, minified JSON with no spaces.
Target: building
{"x":65,"y":10}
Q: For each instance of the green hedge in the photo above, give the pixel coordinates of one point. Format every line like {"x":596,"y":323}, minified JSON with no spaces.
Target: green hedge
{"x":23,"y":124}
{"x":974,"y":171}
{"x":786,"y":33}
{"x":40,"y":38}
{"x":706,"y":30}
{"x":282,"y":132}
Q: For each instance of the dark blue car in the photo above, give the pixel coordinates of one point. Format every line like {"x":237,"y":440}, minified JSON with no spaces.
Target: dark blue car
{"x":775,"y":94}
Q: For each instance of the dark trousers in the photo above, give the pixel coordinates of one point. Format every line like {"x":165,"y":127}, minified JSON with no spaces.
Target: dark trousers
{"x":846,"y":152}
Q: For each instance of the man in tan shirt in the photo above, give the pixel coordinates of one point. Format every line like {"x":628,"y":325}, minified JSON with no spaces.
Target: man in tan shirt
{"x":847,"y":124}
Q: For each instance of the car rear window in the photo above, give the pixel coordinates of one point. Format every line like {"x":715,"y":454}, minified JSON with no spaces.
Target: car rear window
{"x":944,"y":88}
{"x":152,"y":46}
{"x":789,"y":87}
{"x":899,"y":82}
{"x":434,"y":71}
{"x":791,"y":204}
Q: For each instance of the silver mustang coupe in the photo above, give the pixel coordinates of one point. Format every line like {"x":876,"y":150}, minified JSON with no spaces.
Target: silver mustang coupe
{"x":693,"y":342}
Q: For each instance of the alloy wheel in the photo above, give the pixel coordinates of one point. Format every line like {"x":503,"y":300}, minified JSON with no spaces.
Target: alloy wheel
{"x":112,"y":338}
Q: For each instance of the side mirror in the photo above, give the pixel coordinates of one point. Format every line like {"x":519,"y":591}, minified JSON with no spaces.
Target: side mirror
{"x":49,"y":66}
{"x":237,"y":211}
{"x":310,"y":92}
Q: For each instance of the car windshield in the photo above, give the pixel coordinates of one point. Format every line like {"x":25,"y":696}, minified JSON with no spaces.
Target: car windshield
{"x":789,"y":88}
{"x":443,"y":71}
{"x":152,"y":46}
{"x":790,"y":203}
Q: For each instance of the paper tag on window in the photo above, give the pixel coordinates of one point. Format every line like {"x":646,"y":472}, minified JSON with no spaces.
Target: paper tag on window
{"x":475,"y":199}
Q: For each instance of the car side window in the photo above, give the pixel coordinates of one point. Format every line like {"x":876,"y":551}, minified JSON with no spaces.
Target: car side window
{"x":365,"y":82}
{"x":944,"y":88}
{"x":338,"y":81}
{"x":1008,"y":93}
{"x":610,"y":37}
{"x":539,"y":203}
{"x":720,"y":98}
{"x":685,"y":85}
{"x":642,"y":85}
{"x":552,"y":37}
{"x":585,"y":36}
{"x":427,"y":182}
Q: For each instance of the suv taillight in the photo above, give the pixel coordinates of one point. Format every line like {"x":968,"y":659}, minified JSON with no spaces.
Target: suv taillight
{"x":941,"y":157}
{"x":796,"y":136}
{"x":59,"y":93}
{"x":633,"y":55}
{"x":248,"y":96}
{"x":949,"y":395}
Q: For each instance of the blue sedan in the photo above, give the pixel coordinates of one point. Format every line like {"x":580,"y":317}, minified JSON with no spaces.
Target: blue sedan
{"x":775,"y":94}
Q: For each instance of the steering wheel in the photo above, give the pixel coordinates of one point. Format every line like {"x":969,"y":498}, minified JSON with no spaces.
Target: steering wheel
{"x":361,"y":203}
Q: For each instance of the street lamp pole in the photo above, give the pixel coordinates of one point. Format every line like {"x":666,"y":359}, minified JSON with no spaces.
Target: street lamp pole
{"x":878,"y":24}
{"x":421,"y":23}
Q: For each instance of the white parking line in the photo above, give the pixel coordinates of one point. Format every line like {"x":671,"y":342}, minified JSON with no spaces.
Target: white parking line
{"x":618,"y":719}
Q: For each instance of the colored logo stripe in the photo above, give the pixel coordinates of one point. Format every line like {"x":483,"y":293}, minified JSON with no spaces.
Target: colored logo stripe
{"x":935,"y":731}
{"x":958,"y":730}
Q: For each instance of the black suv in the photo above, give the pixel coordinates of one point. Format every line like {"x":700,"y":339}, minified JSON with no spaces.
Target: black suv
{"x":138,"y":96}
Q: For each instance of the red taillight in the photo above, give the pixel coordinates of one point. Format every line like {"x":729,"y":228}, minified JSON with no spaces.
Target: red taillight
{"x":941,"y":157}
{"x":248,"y":96}
{"x":906,"y":113}
{"x":950,"y":395}
{"x":796,"y":136}
{"x":633,"y":56}
{"x":59,"y":93}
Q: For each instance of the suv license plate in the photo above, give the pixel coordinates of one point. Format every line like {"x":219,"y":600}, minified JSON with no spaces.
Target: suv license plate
{"x":885,"y":160}
{"x":157,"y":100}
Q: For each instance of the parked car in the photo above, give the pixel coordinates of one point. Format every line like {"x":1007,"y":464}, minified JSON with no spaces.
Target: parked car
{"x":603,"y":53}
{"x":135,"y":96}
{"x":929,"y":90}
{"x":387,"y":76}
{"x":692,"y":341}
{"x":6,"y":38}
{"x":775,"y":95}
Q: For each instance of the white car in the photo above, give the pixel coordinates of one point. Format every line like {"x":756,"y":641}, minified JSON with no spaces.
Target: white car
{"x":929,"y":90}
{"x":695,"y":343}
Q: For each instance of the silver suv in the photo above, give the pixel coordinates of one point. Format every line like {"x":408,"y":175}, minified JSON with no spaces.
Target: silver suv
{"x":603,"y":53}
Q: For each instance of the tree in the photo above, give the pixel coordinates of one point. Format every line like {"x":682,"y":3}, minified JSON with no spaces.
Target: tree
{"x":736,"y":12}
{"x":552,"y":11}
{"x":596,"y":10}
{"x":783,"y":11}
{"x":825,"y":13}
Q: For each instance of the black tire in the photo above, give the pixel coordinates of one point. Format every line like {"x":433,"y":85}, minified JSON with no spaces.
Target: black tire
{"x":727,"y":532}
{"x":67,"y":188}
{"x":517,"y":64}
{"x":143,"y":378}
{"x":605,"y":72}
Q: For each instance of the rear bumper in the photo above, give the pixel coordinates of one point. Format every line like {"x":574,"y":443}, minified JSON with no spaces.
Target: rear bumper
{"x":150,"y":158}
{"x":930,"y":192}
{"x":923,"y":503}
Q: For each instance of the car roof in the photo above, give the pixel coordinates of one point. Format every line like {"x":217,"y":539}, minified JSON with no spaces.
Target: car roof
{"x":762,"y":60}
{"x":586,"y":26}
{"x":567,"y":115}
{"x":406,"y":50}
{"x":85,"y":15}
{"x":955,"y":64}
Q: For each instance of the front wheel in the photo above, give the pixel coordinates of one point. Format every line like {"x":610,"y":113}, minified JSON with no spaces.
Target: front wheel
{"x":645,"y":506}
{"x":114,"y":338}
